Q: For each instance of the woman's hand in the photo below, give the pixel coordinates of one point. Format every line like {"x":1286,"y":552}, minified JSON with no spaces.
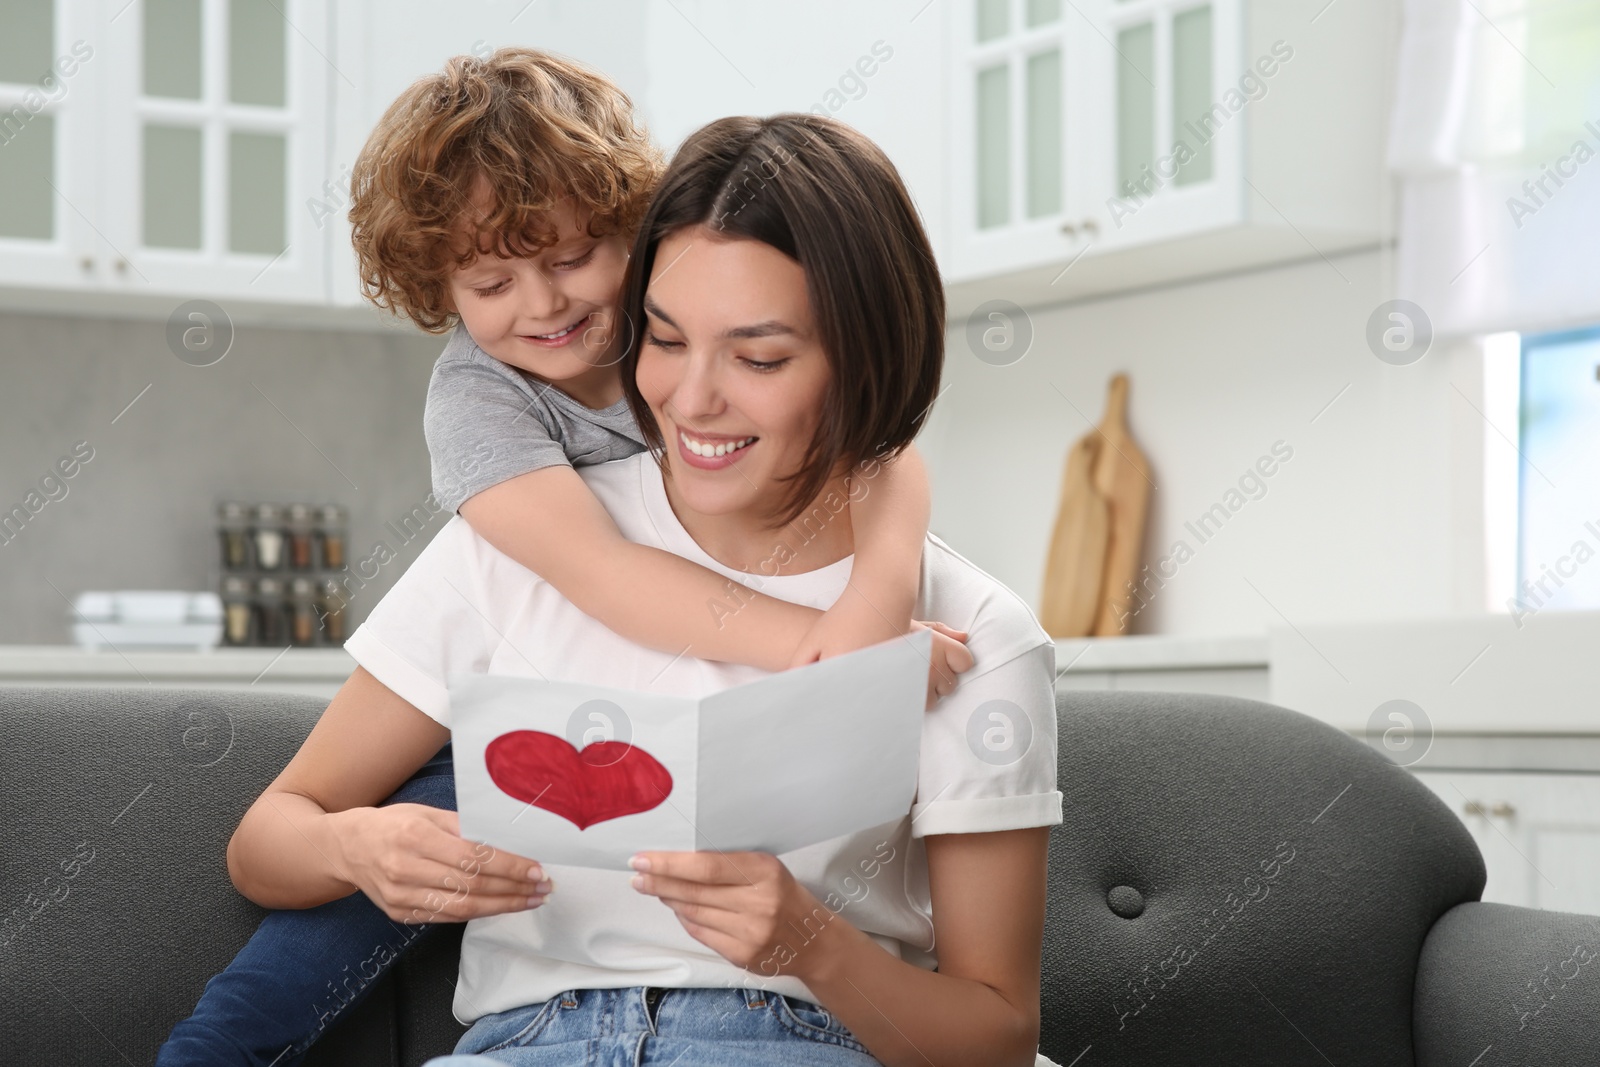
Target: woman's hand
{"x":849,"y":626}
{"x":411,"y":861}
{"x":745,"y":906}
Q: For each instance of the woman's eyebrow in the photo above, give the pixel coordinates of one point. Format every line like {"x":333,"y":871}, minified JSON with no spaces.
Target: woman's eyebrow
{"x":655,"y":309}
{"x":770,"y":328}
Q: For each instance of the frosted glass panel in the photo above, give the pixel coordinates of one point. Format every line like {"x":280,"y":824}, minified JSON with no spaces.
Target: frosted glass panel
{"x":27,"y":165}
{"x":1191,"y":91}
{"x":256,"y":206}
{"x":171,"y":187}
{"x":172,"y":48}
{"x":1041,"y":12}
{"x":1136,"y":107}
{"x":994,"y":147}
{"x":994,"y":19}
{"x":1044,"y":134}
{"x":27,"y":41}
{"x":256,"y":53}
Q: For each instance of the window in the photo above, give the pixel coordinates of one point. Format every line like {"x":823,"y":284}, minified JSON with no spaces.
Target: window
{"x":1558,"y":476}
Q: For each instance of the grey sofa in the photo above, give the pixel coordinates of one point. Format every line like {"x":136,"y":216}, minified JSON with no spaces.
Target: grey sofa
{"x":1233,"y":884}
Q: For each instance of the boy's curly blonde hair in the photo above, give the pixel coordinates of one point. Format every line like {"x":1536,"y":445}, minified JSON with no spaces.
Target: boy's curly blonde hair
{"x":536,"y":127}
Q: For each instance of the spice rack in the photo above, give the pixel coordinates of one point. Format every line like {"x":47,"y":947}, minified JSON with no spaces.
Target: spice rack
{"x":280,"y":568}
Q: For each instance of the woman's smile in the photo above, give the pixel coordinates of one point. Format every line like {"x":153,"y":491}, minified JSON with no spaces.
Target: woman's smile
{"x":711,"y":452}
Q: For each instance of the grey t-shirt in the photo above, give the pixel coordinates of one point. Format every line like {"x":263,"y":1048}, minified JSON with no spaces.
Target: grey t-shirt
{"x":487,"y":422}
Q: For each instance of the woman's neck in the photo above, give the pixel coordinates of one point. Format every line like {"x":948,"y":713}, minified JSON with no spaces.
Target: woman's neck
{"x":745,"y":541}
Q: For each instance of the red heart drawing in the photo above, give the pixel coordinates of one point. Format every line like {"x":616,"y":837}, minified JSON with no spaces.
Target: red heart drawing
{"x":607,"y":780}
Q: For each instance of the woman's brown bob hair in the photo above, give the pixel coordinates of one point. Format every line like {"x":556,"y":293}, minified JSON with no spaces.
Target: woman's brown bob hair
{"x":828,"y":198}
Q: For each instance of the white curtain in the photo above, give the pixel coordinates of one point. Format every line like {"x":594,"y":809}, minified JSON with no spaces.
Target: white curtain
{"x":1495,"y":137}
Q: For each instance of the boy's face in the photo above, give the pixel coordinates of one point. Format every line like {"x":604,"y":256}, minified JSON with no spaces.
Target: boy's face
{"x":552,"y":314}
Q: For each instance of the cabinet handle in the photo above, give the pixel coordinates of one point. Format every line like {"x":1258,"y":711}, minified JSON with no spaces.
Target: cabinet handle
{"x":1069,"y":229}
{"x":87,"y":263}
{"x":121,"y":265}
{"x":1502,"y":810}
{"x":1473,"y":807}
{"x":1091,"y":227}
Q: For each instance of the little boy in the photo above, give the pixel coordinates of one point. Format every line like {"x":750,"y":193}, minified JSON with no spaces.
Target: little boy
{"x":496,"y":200}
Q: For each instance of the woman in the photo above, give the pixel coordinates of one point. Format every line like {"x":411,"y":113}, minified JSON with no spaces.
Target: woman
{"x":786,"y":303}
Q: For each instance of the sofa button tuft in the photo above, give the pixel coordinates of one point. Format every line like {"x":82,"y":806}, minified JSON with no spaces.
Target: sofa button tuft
{"x":1126,"y":901}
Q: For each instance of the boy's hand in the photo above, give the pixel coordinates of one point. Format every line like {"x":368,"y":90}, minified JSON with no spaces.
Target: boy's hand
{"x":950,"y":657}
{"x":849,"y":625}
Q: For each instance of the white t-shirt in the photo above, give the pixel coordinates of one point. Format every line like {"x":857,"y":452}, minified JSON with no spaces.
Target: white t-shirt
{"x":465,"y":607}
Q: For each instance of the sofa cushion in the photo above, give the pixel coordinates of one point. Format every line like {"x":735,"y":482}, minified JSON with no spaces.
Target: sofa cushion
{"x":118,"y":807}
{"x":1237,"y":883}
{"x":1523,"y":982}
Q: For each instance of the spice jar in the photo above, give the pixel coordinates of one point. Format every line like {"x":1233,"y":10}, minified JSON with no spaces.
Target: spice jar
{"x":299,"y":537}
{"x":332,"y":536}
{"x":302,"y":613}
{"x":268,"y":537}
{"x":233,"y":522}
{"x":271,"y":613}
{"x":236,"y":629}
{"x":330,"y":607}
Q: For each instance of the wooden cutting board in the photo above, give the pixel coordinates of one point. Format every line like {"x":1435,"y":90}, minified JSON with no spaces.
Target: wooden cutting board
{"x":1075,"y":565}
{"x":1099,"y":532}
{"x":1122,"y":476}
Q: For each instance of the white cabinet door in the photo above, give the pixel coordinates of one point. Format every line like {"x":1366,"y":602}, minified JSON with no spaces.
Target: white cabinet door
{"x":1085,"y":127}
{"x":1164,"y":156}
{"x":1539,"y":834}
{"x":51,"y":72}
{"x":1014,"y":184}
{"x":213,"y":142}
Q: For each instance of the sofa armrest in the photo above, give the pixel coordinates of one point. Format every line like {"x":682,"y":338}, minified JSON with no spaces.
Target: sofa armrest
{"x":1523,"y":982}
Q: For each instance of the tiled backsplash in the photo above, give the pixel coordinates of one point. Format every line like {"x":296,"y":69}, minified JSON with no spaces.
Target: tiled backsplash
{"x":286,"y":415}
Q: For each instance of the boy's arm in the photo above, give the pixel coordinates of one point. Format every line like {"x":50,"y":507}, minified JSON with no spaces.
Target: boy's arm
{"x":550,"y":522}
{"x":889,"y":511}
{"x":889,"y":507}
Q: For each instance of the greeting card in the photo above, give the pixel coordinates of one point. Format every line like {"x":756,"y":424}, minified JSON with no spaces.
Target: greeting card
{"x":583,"y":775}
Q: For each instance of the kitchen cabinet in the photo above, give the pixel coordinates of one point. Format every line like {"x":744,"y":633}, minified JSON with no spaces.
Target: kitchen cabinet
{"x":50,"y":80}
{"x":171,"y":146}
{"x":1539,"y":834}
{"x":1102,"y":144}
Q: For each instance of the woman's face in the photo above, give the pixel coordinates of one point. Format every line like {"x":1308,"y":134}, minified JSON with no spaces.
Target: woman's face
{"x":730,"y":359}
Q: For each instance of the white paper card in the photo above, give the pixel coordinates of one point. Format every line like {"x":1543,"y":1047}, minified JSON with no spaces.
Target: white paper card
{"x":586,"y":776}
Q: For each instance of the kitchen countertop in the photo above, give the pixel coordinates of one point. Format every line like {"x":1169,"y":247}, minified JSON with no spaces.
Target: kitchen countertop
{"x":1469,"y":674}
{"x":1159,"y":652}
{"x":20,"y":664}
{"x":295,"y":669}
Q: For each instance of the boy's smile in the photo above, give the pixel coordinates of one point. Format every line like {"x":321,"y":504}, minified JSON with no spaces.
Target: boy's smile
{"x":552,"y":314}
{"x":563,"y":337}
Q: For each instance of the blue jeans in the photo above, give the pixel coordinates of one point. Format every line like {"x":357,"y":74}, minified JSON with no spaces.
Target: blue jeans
{"x":677,"y":1027}
{"x":302,"y":969}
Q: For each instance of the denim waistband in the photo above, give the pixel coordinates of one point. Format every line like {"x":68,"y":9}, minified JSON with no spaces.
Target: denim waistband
{"x":629,"y":1017}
